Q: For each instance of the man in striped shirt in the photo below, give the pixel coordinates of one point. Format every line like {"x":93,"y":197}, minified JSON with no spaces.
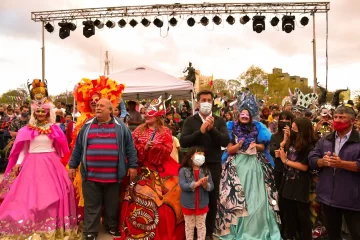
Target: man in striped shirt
{"x":102,"y":146}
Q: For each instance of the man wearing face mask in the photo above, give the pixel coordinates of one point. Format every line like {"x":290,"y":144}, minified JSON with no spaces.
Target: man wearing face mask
{"x":204,"y":129}
{"x":20,"y":122}
{"x":337,"y":155}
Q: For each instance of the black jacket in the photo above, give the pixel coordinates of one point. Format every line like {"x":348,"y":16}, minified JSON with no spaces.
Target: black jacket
{"x":212,"y":140}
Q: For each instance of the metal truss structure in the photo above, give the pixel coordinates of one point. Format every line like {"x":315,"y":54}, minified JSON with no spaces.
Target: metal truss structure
{"x":181,"y":10}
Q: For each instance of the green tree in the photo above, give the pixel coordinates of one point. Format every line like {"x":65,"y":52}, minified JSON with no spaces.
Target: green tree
{"x":65,"y":97}
{"x":257,"y":89}
{"x":9,"y":97}
{"x":220,"y":87}
{"x":253,"y":75}
{"x":233,"y":86}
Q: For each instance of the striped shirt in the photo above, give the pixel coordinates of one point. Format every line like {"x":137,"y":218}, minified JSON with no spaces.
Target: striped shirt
{"x":102,"y":153}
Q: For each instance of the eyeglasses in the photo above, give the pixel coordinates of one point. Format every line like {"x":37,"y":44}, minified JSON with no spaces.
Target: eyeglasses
{"x":102,"y":132}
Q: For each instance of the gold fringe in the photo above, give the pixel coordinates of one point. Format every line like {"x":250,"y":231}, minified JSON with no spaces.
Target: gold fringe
{"x":58,"y":234}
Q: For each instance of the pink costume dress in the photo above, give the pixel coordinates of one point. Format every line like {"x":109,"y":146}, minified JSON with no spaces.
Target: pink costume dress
{"x":40,"y":199}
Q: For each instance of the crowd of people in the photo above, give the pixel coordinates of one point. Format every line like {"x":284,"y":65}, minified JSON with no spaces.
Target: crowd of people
{"x":159,"y":171}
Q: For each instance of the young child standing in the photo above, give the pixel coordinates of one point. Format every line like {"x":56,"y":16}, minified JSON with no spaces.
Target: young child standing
{"x":195,"y":183}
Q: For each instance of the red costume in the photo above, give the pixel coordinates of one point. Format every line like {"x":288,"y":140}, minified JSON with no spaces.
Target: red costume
{"x":151,"y":207}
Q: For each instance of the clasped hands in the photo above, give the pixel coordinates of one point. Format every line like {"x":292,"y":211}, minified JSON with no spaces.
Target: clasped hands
{"x":281,"y":154}
{"x":202,"y":182}
{"x":329,"y":160}
{"x":207,"y":125}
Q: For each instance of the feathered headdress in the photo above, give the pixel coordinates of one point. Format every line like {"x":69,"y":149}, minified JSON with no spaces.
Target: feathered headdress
{"x":103,"y":86}
{"x":247,"y":100}
{"x":156,"y":108}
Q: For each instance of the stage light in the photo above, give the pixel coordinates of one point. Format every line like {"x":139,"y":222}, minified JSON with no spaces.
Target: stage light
{"x":204,"y":21}
{"x":258,"y":23}
{"x":99,"y":24}
{"x":110,"y":24}
{"x":64,"y":30}
{"x":304,"y":21}
{"x":145,"y":22}
{"x":157,"y":22}
{"x":49,"y":27}
{"x":173,"y":21}
{"x":133,"y":23}
{"x":274,"y":21}
{"x":230,"y":20}
{"x":122,"y":23}
{"x":217,"y":20}
{"x":71,"y":26}
{"x":288,"y":23}
{"x":191,"y":22}
{"x":89,"y":28}
{"x":244,"y":19}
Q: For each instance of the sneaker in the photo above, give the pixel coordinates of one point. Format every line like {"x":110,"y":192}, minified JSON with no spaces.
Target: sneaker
{"x":90,"y":237}
{"x":115,"y":233}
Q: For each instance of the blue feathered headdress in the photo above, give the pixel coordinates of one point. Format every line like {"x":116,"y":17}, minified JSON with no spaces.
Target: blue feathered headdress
{"x":247,"y":100}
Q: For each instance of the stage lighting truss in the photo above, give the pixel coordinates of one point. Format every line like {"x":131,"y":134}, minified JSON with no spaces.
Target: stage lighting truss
{"x":205,"y":10}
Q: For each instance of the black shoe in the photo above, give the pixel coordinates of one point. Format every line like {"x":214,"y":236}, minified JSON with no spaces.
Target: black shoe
{"x":115,"y":233}
{"x":90,"y":237}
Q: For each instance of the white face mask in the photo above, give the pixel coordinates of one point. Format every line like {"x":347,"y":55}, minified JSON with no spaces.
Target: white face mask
{"x":205,"y":108}
{"x":199,"y":160}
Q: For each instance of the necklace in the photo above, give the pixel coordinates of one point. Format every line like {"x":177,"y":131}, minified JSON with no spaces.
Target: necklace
{"x":42,"y":128}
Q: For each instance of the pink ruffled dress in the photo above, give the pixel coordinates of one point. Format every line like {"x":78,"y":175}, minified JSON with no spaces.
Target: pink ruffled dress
{"x":40,"y":198}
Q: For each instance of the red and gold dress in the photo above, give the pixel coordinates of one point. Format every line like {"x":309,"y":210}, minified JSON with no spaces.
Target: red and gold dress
{"x":151,"y":207}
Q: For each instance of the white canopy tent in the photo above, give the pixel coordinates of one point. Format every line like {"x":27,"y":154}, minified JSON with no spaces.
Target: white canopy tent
{"x":147,"y":83}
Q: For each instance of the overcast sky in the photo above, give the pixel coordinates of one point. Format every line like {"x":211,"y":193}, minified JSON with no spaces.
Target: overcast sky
{"x":225,"y":51}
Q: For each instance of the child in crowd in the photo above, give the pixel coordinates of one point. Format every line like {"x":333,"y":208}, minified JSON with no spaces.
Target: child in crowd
{"x":196,"y":183}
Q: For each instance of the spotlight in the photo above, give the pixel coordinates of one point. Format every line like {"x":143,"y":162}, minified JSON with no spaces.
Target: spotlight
{"x":230,"y":20}
{"x":204,"y":21}
{"x":71,"y":26}
{"x":173,"y":21}
{"x":99,"y":24}
{"x":217,"y":20}
{"x":89,"y":28}
{"x":288,"y":23}
{"x":122,"y":23}
{"x":145,"y":22}
{"x":64,"y":30}
{"x":49,"y":27}
{"x":157,"y":22}
{"x":133,"y":23}
{"x":304,"y":21}
{"x":110,"y":24}
{"x":191,"y":22}
{"x":274,"y":21}
{"x":244,"y":19}
{"x":258,"y":23}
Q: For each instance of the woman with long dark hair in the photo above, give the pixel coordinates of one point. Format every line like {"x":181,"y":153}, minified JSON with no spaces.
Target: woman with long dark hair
{"x":295,"y":188}
{"x":248,"y":197}
{"x":278,"y":140}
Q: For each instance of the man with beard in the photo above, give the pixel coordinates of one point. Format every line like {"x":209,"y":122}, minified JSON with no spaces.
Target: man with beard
{"x":209,"y":131}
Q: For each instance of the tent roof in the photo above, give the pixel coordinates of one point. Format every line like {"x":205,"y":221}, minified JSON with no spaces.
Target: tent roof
{"x":146,"y":83}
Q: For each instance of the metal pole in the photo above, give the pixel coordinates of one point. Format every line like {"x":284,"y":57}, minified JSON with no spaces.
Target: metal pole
{"x":327,"y":47}
{"x":314,"y":53}
{"x":43,"y":51}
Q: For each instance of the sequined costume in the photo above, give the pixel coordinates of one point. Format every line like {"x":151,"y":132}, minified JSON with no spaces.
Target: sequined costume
{"x":38,"y":198}
{"x":151,"y":208}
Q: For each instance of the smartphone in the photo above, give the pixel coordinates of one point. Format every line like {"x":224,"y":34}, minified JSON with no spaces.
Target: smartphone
{"x":287,"y":124}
